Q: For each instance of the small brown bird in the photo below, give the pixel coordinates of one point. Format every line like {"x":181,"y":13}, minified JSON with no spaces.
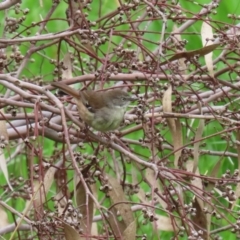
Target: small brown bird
{"x":104,"y":111}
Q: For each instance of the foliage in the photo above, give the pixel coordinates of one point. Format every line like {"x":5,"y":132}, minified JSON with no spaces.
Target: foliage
{"x":171,"y":171}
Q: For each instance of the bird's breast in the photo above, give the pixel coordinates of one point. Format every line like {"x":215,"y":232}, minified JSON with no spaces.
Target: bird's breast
{"x":107,"y":119}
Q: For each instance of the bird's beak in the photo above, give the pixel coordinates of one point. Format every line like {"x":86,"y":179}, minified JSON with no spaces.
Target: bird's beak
{"x":132,"y":99}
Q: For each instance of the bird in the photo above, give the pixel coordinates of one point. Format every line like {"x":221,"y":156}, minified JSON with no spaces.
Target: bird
{"x":102,"y":110}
